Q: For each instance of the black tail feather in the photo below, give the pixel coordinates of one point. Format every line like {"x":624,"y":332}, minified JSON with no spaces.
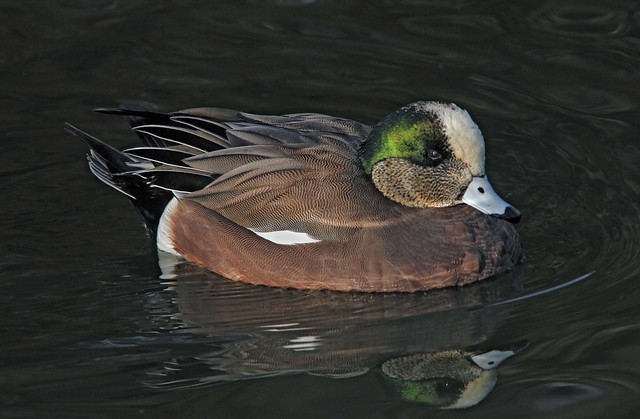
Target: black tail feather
{"x":161,"y":130}
{"x":120,"y":171}
{"x":116,"y":160}
{"x":153,"y":174}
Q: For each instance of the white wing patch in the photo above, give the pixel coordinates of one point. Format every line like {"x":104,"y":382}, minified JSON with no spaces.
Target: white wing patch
{"x":286,"y":237}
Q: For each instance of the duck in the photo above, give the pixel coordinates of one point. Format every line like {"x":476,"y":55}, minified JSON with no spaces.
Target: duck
{"x":316,"y":202}
{"x":450,"y":379}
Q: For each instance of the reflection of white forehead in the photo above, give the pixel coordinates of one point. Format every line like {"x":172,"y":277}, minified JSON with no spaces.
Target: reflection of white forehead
{"x":465,"y":138}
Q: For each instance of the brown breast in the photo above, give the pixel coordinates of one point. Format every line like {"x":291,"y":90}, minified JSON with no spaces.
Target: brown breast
{"x":420,"y":250}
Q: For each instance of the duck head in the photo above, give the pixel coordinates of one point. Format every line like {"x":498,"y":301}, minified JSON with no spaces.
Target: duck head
{"x":455,"y":379}
{"x":431,"y":154}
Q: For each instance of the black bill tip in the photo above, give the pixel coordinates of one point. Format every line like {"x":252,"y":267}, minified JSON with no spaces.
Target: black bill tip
{"x":510,"y":214}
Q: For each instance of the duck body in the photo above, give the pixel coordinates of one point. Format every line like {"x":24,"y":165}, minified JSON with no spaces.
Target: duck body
{"x":310,"y":201}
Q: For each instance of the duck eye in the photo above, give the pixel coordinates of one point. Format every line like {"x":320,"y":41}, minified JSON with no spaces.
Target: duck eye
{"x":434,"y":155}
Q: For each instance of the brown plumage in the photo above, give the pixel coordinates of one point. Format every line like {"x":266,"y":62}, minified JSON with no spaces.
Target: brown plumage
{"x":234,"y":175}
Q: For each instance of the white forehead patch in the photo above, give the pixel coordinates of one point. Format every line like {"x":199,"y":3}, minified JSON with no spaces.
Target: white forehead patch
{"x":465,"y":138}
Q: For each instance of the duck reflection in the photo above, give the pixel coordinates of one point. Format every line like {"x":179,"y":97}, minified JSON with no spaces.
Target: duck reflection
{"x":452,"y":379}
{"x":411,"y":341}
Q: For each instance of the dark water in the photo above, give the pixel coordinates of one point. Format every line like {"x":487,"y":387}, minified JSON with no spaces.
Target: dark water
{"x":90,"y":325}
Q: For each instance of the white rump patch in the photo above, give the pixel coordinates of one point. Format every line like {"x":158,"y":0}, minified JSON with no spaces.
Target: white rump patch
{"x":163,"y":239}
{"x":286,"y":237}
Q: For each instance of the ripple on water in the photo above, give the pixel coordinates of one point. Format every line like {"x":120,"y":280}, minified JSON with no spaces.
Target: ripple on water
{"x":556,"y":395}
{"x":458,"y":28}
{"x":573,"y":180}
{"x":574,"y":19}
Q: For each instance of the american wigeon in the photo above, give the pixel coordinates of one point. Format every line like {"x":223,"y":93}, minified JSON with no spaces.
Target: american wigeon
{"x":312,"y":201}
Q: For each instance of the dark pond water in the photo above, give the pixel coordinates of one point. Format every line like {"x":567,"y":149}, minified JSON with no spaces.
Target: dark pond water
{"x":90,"y":325}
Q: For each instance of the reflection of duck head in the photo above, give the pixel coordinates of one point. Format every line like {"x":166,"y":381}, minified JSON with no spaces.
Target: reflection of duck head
{"x":452,"y":379}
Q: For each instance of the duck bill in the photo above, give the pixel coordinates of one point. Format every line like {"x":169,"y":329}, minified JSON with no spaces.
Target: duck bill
{"x":490,"y":360}
{"x":481,"y":196}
